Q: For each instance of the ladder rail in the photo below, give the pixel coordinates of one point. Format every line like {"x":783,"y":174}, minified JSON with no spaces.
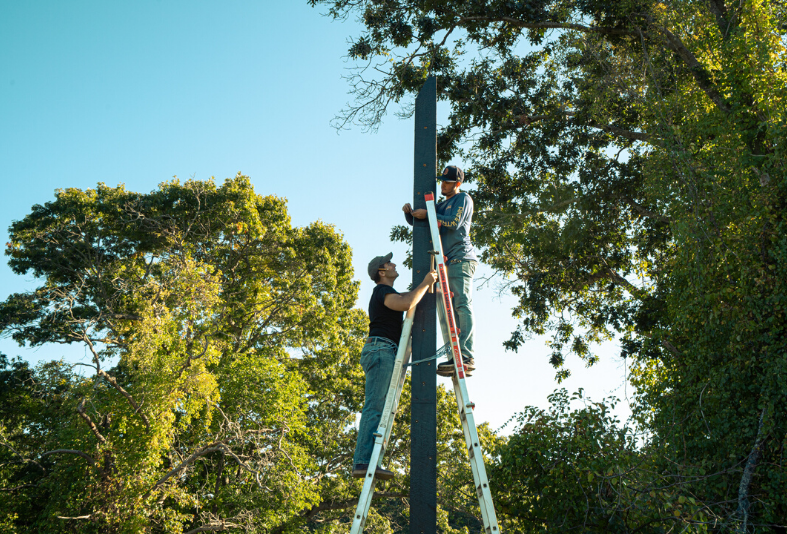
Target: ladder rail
{"x":383,"y":433}
{"x":444,"y":290}
{"x":476,"y":456}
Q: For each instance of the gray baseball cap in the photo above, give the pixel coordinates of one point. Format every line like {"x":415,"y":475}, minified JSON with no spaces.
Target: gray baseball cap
{"x":378,"y":262}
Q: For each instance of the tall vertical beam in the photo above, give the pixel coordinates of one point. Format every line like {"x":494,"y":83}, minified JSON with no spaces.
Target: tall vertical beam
{"x":423,"y":407}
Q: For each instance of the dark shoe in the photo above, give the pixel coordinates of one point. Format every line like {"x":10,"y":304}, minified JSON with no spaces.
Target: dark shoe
{"x":447,"y":368}
{"x":359,"y":471}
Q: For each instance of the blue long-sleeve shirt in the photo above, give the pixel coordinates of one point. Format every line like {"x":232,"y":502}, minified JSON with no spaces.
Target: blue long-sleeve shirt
{"x":455,"y":216}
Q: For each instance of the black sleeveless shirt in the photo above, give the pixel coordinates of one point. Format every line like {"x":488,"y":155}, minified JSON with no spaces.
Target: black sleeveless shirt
{"x":383,"y":321}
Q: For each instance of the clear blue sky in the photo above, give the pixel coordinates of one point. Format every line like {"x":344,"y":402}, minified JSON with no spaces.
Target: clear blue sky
{"x":139,"y":92}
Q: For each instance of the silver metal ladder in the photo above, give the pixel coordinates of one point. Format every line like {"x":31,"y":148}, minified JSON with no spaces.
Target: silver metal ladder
{"x":451,"y":338}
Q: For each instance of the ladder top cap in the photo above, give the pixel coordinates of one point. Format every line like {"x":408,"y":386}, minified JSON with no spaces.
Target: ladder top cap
{"x":429,"y":196}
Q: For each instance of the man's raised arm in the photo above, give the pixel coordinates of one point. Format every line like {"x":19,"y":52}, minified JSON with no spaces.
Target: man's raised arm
{"x":405,"y":301}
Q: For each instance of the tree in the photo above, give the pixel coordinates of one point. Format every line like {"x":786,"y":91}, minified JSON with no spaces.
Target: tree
{"x":565,"y":470}
{"x":196,"y":302}
{"x":224,"y":372}
{"x":629,"y":177}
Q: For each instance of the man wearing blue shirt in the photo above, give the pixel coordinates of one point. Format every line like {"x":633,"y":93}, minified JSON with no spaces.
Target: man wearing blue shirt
{"x":455,"y":215}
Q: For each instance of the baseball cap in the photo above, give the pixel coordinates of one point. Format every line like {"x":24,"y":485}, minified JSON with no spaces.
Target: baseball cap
{"x":452,"y":173}
{"x":378,"y":262}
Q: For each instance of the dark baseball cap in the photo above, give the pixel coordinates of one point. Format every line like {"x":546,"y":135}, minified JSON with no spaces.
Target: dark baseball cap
{"x":378,"y":263}
{"x":452,"y":173}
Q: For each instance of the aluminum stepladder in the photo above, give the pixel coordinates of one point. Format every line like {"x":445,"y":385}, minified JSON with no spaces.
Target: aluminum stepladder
{"x":451,"y":336}
{"x":386,"y":423}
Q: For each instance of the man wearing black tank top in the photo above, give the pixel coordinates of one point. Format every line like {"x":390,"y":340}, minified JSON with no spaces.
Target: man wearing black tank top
{"x":379,"y":352}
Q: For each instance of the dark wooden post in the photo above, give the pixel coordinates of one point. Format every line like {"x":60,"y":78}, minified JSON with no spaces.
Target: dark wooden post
{"x":423,"y":407}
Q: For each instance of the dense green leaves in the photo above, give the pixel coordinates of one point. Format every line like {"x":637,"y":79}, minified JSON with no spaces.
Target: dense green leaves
{"x":203,"y":310}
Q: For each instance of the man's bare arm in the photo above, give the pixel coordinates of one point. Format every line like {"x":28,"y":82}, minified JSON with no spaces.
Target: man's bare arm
{"x":405,"y":301}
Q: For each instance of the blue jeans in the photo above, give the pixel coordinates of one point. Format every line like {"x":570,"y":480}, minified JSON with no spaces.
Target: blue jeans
{"x":377,"y":359}
{"x":460,"y":281}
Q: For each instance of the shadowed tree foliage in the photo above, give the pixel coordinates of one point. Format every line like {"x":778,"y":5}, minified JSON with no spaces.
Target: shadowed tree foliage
{"x":630,"y":182}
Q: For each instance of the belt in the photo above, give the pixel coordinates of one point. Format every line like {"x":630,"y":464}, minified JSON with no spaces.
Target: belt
{"x":376,"y":339}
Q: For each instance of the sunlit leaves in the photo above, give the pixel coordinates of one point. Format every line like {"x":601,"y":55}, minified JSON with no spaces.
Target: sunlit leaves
{"x":199,"y":294}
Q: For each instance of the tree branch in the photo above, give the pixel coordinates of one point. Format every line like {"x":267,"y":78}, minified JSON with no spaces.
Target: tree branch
{"x":84,"y":455}
{"x":549,"y":25}
{"x":191,"y":358}
{"x":217,"y":525}
{"x":670,"y":347}
{"x":620,"y":132}
{"x":621,"y":281}
{"x":113,"y":382}
{"x":748,"y":472}
{"x":214,"y":447}
{"x":701,"y":75}
{"x":674,"y":43}
{"x":90,"y":423}
{"x":719,"y":11}
{"x":24,"y":460}
{"x":639,"y":208}
{"x":137,"y":408}
{"x":527,"y":120}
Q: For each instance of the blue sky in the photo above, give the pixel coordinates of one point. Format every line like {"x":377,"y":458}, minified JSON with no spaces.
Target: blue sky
{"x":136,"y":93}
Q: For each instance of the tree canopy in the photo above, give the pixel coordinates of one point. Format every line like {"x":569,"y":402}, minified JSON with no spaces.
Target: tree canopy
{"x":627,"y":162}
{"x":196,"y":303}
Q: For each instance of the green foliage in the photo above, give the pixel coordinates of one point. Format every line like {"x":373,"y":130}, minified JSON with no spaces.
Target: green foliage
{"x":207,"y":316}
{"x":564,"y":470}
{"x":225,"y":374}
{"x":629,"y":172}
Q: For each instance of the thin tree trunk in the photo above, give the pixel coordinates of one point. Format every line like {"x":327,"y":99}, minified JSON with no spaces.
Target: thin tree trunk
{"x":748,"y":472}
